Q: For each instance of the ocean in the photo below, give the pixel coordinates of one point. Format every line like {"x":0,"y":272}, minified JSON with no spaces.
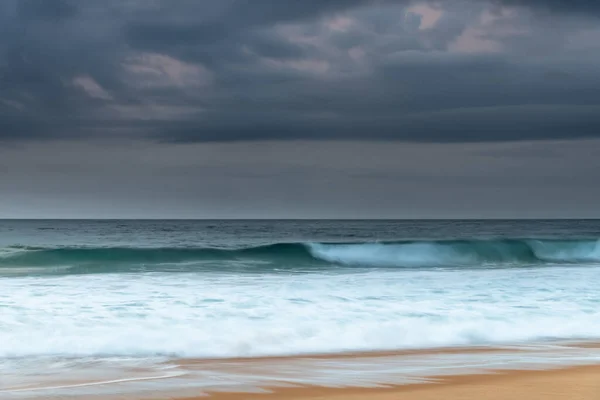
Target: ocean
{"x":131,"y":291}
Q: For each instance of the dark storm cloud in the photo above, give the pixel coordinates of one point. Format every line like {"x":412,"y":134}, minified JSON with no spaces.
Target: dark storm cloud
{"x":232,"y":70}
{"x":479,"y":124}
{"x":584,"y":6}
{"x":46,"y":9}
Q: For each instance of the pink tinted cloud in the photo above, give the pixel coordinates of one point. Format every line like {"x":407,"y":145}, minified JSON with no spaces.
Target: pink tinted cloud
{"x":429,"y":15}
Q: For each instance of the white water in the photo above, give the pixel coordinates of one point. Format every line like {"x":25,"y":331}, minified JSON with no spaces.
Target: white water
{"x":475,"y":253}
{"x":581,"y":251}
{"x":392,"y":255}
{"x":206,"y":315}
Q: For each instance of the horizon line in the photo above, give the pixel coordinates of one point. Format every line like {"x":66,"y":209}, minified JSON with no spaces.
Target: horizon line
{"x":307,"y":219}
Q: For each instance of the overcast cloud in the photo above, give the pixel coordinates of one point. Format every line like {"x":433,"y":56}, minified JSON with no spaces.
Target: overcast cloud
{"x":165,"y":80}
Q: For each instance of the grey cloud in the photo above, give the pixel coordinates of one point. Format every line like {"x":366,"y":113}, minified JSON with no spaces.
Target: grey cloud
{"x":299,"y":179}
{"x":228,"y":71}
{"x":480,"y":124}
{"x":46,"y":9}
{"x":579,"y":6}
{"x":188,"y":23}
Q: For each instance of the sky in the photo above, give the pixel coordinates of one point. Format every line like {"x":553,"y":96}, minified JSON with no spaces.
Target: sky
{"x":299,"y":109}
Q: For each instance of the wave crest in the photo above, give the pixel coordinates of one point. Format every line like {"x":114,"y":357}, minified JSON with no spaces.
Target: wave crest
{"x":460,"y":253}
{"x":451,"y":253}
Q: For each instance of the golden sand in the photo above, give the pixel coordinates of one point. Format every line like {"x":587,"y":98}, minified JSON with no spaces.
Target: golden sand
{"x":579,"y":383}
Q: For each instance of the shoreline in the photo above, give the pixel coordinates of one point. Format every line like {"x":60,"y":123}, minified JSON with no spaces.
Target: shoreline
{"x":458,"y":349}
{"x":379,"y":375}
{"x":582,"y":382}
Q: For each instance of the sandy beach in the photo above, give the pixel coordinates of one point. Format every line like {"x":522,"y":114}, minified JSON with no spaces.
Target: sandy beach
{"x":570,"y":383}
{"x":533,"y":371}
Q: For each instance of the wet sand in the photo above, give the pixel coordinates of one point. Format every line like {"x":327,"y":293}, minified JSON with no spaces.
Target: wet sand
{"x":579,"y":383}
{"x":536,"y":371}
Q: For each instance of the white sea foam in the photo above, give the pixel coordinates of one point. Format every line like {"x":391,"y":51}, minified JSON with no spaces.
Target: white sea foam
{"x":575,"y":250}
{"x":391,"y":255}
{"x":456,"y":253}
{"x":194,"y":315}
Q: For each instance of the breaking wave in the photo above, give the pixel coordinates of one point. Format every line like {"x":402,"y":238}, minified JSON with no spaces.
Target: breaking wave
{"x":450,"y":253}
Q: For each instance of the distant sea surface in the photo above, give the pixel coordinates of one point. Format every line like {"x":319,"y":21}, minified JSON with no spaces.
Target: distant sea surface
{"x":138,"y":289}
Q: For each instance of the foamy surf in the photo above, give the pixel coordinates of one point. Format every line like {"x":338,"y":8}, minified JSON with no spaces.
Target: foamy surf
{"x":114,"y":296}
{"x":225,"y":315}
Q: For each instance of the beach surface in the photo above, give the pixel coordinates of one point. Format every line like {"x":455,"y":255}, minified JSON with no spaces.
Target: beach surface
{"x":571,"y":383}
{"x":535,"y":371}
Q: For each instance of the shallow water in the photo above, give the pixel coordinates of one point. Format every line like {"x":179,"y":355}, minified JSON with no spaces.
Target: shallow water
{"x":126,"y":378}
{"x":123,"y":293}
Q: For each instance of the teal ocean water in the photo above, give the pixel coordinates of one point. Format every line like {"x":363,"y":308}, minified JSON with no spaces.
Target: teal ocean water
{"x":138,"y":289}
